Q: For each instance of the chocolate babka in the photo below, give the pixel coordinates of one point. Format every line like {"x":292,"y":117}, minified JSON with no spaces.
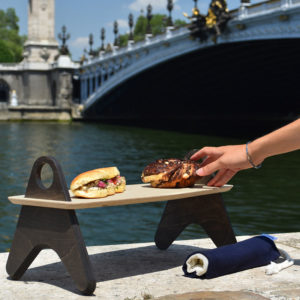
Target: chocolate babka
{"x":170,"y":173}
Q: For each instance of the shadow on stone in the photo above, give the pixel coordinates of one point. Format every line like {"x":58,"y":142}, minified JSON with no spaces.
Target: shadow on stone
{"x":115,"y":265}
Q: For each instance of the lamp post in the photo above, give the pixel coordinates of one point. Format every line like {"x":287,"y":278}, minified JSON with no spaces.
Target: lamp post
{"x":130,"y":23}
{"x":148,"y":28}
{"x":196,"y":11}
{"x":149,"y":17}
{"x":102,"y":37}
{"x":130,"y":38}
{"x":91,"y":42}
{"x":170,"y":7}
{"x":243,"y":9}
{"x":63,"y":36}
{"x":116,"y":30}
{"x":170,"y":24}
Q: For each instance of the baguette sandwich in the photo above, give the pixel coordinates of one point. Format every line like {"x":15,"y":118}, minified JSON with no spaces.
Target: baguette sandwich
{"x":98,"y":183}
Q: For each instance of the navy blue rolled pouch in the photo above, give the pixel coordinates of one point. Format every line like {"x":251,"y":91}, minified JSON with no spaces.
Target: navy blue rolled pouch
{"x":254,"y":252}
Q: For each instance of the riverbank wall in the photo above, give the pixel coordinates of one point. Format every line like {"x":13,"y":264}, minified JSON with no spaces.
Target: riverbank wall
{"x":40,"y":113}
{"x":141,"y":271}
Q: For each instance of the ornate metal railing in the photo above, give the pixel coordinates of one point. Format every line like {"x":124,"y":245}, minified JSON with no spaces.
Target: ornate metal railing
{"x":262,"y":8}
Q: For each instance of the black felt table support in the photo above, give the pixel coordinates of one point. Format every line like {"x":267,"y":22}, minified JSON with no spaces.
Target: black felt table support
{"x":40,"y":228}
{"x":208,"y":211}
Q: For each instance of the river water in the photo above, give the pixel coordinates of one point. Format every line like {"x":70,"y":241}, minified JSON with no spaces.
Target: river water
{"x":262,"y":201}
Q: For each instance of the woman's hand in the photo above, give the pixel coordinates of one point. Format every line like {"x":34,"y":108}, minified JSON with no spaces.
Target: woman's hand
{"x":227,"y":159}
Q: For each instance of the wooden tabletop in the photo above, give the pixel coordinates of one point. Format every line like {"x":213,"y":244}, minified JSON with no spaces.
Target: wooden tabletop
{"x":135,"y":193}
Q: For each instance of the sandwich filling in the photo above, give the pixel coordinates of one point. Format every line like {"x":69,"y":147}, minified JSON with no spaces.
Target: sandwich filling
{"x":102,"y":184}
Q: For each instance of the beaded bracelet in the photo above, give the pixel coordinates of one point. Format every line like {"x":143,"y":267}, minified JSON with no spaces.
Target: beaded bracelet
{"x":250,"y":159}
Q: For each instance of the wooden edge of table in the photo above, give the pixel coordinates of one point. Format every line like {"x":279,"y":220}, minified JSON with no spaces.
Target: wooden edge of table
{"x":134,"y":194}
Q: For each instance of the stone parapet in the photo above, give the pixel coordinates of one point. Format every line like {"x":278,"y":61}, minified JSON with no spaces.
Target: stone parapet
{"x":141,"y":271}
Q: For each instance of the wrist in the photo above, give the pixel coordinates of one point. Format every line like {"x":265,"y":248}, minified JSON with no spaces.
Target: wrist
{"x":254,"y":154}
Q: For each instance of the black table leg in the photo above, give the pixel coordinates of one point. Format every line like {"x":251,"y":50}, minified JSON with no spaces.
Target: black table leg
{"x":40,"y":228}
{"x":208,"y":211}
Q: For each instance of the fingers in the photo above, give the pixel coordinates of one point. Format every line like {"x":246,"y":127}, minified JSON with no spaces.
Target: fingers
{"x":209,"y":168}
{"x":222,"y":177}
{"x":207,"y":161}
{"x":206,"y":151}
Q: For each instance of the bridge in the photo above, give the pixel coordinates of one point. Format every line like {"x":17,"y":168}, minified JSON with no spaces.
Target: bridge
{"x":249,"y":72}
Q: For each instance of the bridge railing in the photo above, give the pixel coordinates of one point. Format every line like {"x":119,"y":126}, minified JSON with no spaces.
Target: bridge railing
{"x":262,"y":8}
{"x":136,"y":46}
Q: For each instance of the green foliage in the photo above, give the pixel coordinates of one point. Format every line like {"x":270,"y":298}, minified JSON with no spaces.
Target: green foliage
{"x":158,"y":24}
{"x":123,"y":39}
{"x":6,"y":55}
{"x":140,"y":28}
{"x":179,"y":23}
{"x":11,"y":46}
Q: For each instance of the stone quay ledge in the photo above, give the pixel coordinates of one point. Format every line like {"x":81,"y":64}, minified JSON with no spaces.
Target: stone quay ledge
{"x":141,"y":271}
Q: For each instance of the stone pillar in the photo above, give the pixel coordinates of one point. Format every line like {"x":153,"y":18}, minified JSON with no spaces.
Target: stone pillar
{"x":65,"y":89}
{"x":41,"y":45}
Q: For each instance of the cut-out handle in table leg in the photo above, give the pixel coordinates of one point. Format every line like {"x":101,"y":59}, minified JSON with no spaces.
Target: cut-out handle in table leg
{"x":58,"y":189}
{"x":208,"y":211}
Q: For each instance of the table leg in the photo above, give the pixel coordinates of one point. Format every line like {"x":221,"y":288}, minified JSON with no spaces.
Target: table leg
{"x":40,"y":228}
{"x":208,"y":211}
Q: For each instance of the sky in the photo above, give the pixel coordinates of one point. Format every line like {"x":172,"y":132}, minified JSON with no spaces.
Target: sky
{"x":82,"y":17}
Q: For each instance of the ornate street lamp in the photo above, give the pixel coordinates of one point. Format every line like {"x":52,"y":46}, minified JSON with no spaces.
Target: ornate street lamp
{"x":149,"y":17}
{"x":130,"y":23}
{"x":116,"y":30}
{"x":91,"y":42}
{"x":170,"y":8}
{"x":63,"y":36}
{"x":196,"y":11}
{"x":102,"y":37}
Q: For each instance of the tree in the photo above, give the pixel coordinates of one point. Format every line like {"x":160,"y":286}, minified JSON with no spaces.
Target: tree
{"x":140,"y":28}
{"x":6,"y":55}
{"x":11,"y":43}
{"x":158,"y":24}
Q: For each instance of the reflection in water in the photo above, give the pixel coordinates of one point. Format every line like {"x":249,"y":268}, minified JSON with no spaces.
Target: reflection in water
{"x":264,"y":200}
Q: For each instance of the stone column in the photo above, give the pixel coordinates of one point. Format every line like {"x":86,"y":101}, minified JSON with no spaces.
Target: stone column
{"x":65,"y":91}
{"x":41,"y":45}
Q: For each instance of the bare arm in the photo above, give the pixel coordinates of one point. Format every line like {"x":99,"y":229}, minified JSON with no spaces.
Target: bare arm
{"x":231,"y":159}
{"x":280,"y":141}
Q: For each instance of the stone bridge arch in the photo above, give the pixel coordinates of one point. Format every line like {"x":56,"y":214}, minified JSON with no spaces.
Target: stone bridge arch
{"x":4,"y":91}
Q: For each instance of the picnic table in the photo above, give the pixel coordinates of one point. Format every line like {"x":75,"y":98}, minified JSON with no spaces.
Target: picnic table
{"x":48,"y":220}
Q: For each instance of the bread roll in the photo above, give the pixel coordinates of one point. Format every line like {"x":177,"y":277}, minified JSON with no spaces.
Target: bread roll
{"x":98,"y":183}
